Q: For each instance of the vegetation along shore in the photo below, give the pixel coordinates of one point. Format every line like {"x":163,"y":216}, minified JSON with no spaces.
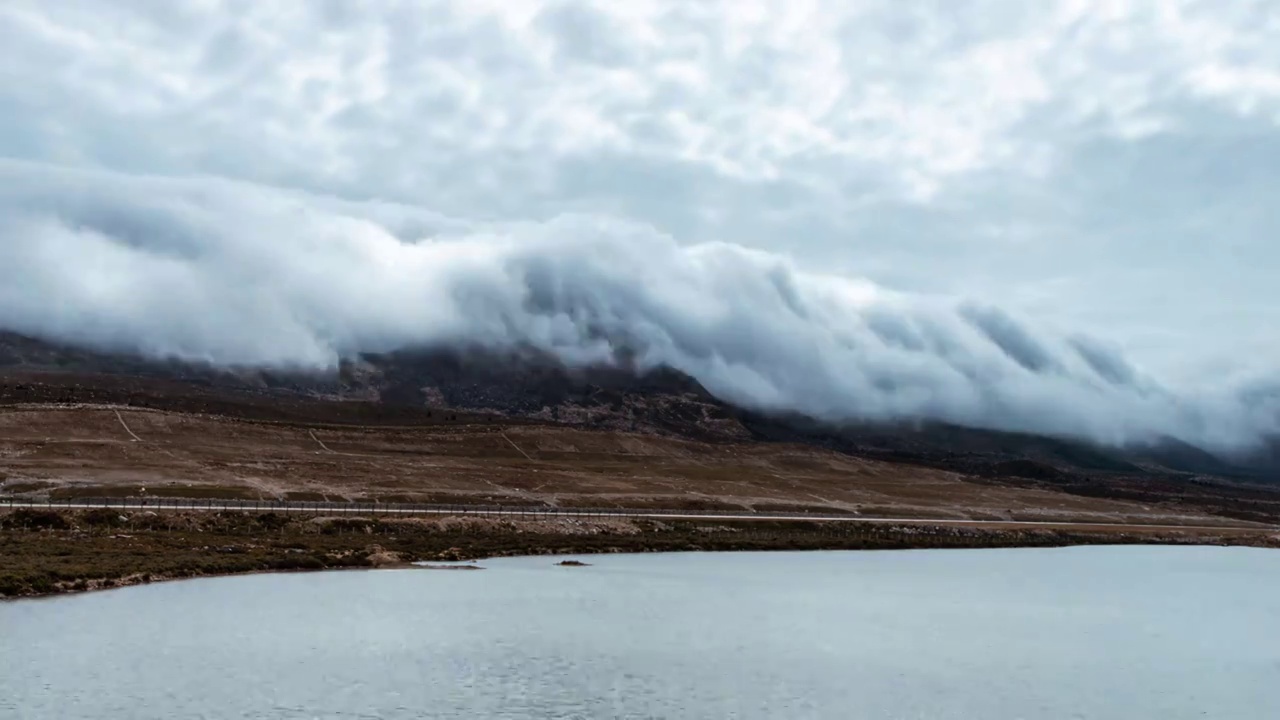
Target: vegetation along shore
{"x":45,"y":552}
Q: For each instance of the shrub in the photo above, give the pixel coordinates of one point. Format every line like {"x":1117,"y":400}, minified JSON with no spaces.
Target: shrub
{"x":11,"y":585}
{"x":103,"y":517}
{"x":297,"y":562}
{"x":272,"y":521}
{"x":28,"y":519}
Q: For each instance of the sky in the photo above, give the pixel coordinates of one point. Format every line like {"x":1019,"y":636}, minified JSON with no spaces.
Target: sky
{"x":275,"y":181}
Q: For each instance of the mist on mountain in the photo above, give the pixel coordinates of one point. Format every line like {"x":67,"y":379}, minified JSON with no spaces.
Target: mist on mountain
{"x":240,"y":275}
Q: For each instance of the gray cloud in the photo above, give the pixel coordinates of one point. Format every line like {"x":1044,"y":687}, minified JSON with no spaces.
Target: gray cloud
{"x":246,"y":181}
{"x":232,"y":273}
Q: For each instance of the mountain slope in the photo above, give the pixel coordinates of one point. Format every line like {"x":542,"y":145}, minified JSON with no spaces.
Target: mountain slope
{"x":420,"y":384}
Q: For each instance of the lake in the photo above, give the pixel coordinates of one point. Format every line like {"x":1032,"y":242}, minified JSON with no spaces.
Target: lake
{"x":1100,"y":632}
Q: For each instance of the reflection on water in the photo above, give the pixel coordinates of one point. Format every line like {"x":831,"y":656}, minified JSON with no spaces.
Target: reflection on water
{"x":1124,"y":633}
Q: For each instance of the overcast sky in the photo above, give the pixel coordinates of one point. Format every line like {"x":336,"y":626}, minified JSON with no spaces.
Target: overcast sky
{"x":1109,"y":167}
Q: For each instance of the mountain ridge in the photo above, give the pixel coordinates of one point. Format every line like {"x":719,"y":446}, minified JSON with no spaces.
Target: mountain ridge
{"x":534,"y":387}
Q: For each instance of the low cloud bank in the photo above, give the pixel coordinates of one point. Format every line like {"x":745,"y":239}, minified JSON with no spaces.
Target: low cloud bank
{"x":236,"y":274}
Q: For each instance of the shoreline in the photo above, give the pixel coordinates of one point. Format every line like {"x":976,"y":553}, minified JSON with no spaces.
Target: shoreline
{"x":45,"y":553}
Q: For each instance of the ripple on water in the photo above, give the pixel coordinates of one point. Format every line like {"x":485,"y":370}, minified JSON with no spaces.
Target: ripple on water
{"x":1102,"y":632}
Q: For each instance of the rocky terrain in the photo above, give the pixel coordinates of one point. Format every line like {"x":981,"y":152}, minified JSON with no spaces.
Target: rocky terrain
{"x":517,"y":450}
{"x":521,"y":428}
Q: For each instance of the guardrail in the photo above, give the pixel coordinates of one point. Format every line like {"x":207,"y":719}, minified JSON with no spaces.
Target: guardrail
{"x":318,"y":507}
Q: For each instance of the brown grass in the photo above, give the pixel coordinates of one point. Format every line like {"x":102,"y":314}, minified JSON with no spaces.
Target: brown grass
{"x":198,"y":492}
{"x":78,"y":452}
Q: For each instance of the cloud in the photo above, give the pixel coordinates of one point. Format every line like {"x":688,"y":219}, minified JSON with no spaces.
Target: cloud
{"x":920,"y":95}
{"x":239,"y":274}
{"x":1106,"y":166}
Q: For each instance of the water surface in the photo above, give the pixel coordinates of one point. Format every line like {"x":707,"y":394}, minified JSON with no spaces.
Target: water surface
{"x":1104,"y":632}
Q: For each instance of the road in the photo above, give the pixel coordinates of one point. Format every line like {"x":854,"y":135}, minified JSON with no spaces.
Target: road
{"x":170,"y":504}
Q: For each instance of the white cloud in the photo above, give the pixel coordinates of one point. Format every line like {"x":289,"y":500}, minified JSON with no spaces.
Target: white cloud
{"x":1108,"y":165}
{"x":240,"y":274}
{"x":342,"y":93}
